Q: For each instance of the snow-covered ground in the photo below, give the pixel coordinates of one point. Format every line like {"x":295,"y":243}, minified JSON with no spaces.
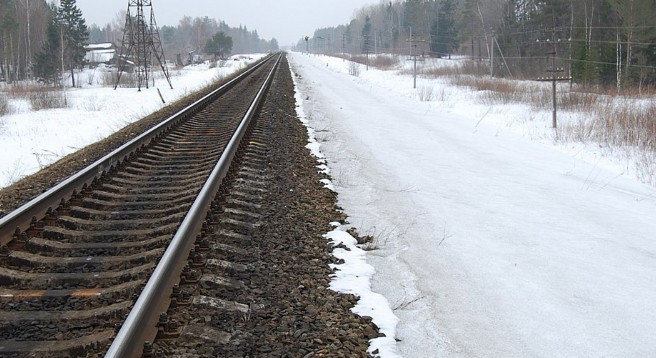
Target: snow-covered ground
{"x":491,"y":239}
{"x":32,"y":140}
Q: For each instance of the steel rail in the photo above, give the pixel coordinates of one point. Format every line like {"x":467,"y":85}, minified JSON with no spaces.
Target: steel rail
{"x":141,"y":322}
{"x":38,"y":207}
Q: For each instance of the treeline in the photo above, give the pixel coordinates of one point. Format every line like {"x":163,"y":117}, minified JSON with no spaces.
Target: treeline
{"x":32,"y":31}
{"x":23,"y":31}
{"x":600,"y":42}
{"x":40,"y":40}
{"x":191,"y":35}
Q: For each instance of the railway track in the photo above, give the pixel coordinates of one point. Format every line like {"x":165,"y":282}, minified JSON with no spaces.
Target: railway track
{"x":97,"y":260}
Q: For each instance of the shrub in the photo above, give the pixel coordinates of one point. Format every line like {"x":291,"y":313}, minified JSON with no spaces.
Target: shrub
{"x":354,"y":69}
{"x":22,"y":89}
{"x":473,"y":68}
{"x":425,"y":93}
{"x":128,"y":80}
{"x":47,"y":100}
{"x":5,"y":107}
{"x":381,"y":62}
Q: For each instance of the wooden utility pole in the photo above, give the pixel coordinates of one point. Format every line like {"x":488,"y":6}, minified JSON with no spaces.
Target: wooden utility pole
{"x":494,"y":34}
{"x":414,"y":54}
{"x":554,"y":70}
{"x":367,"y":50}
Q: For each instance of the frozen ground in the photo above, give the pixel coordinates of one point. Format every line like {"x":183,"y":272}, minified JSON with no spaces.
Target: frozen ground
{"x":33,"y":139}
{"x":492,"y":241}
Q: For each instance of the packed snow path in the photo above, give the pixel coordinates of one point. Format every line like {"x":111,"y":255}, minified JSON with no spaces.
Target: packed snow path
{"x":489,"y":244}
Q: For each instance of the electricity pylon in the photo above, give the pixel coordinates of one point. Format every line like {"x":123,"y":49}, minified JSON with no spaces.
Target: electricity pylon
{"x":140,"y":43}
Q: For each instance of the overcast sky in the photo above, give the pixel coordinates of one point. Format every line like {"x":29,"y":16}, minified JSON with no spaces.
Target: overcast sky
{"x":286,"y":20}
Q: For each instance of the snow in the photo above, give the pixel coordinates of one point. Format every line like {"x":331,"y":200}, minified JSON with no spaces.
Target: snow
{"x":354,"y":275}
{"x":105,"y":45}
{"x":34,"y":139}
{"x":491,"y":239}
{"x":97,"y":56}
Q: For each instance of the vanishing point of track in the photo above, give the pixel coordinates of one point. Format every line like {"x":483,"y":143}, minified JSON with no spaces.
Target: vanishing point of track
{"x":97,"y":260}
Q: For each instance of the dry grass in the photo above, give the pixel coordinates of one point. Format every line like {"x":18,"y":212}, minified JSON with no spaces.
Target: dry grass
{"x":47,"y":100}
{"x":128,"y":80}
{"x":24,"y":89}
{"x":539,"y":97}
{"x":630,"y":92}
{"x":625,"y":125}
{"x":381,"y":62}
{"x":473,"y":68}
{"x":611,"y":121}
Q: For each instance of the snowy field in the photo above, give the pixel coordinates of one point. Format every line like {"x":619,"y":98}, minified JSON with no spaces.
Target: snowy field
{"x":492,"y":240}
{"x":32,"y":139}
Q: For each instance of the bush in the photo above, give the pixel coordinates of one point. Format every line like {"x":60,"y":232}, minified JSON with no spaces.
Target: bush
{"x":23,"y":89}
{"x":47,"y":100}
{"x":5,"y":107}
{"x":425,"y":93}
{"x":473,"y":68}
{"x":381,"y":62}
{"x":128,"y":80}
{"x":354,"y":69}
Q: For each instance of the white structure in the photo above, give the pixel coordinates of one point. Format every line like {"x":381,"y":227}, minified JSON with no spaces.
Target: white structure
{"x":100,"y":53}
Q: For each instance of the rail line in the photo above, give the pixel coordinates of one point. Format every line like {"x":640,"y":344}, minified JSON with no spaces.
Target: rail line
{"x":88,"y":267}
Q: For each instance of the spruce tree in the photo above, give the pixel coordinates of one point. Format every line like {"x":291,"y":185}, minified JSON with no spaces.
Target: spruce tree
{"x":366,"y":34}
{"x":46,"y":65}
{"x":444,"y":37}
{"x":219,"y":45}
{"x":75,"y":34}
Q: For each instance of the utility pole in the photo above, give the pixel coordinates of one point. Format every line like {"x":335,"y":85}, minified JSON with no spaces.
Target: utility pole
{"x":494,"y":34}
{"x":414,"y":54}
{"x":554,"y":70}
{"x":367,"y":50}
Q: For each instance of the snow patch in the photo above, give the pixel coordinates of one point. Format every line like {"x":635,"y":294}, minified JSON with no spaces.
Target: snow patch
{"x":354,"y":275}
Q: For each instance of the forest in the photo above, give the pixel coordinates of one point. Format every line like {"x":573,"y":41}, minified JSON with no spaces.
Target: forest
{"x":597,"y":42}
{"x":31,"y":32}
{"x":191,"y":35}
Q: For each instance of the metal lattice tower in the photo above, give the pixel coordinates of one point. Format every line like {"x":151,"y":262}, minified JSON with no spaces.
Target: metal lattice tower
{"x":140,"y":43}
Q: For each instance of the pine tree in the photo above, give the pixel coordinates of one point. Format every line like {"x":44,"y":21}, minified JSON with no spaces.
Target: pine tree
{"x":219,"y":45}
{"x":46,"y":66}
{"x":74,"y":34}
{"x":366,"y":34}
{"x":444,"y":32}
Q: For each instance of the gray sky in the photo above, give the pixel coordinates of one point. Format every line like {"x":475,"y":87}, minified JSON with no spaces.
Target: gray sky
{"x":286,"y":20}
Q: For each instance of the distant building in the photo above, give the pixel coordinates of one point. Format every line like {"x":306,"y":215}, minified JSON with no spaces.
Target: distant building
{"x":104,"y":53}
